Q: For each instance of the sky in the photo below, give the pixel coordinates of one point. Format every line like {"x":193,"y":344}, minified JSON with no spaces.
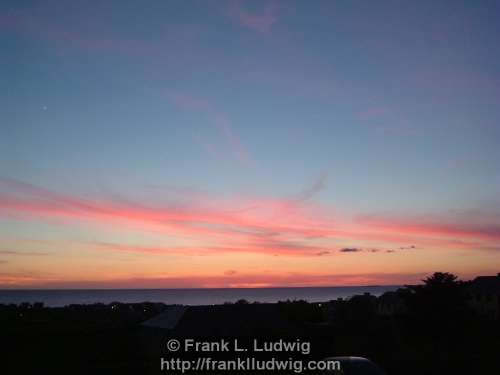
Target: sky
{"x":191,"y":144}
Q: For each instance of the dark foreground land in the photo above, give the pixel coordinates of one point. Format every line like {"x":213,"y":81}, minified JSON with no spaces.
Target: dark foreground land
{"x":440,"y":327}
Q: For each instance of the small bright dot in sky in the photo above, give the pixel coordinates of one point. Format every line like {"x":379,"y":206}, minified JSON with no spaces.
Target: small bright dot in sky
{"x":44,"y":107}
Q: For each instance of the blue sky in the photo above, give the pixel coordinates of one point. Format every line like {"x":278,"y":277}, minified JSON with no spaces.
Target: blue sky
{"x":375,"y":108}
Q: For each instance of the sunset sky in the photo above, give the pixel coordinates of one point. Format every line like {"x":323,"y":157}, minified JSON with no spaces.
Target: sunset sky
{"x":174,"y":144}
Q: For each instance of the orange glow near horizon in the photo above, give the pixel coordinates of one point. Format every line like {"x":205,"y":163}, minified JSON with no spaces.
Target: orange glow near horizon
{"x":232,"y":243}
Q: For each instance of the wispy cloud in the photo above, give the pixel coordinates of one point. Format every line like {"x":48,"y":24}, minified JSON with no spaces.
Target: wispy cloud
{"x":22,"y":253}
{"x":260,"y":21}
{"x":387,"y":120}
{"x":190,"y":103}
{"x":58,"y":34}
{"x":268,"y":248}
{"x":258,"y":227}
{"x":219,"y":119}
{"x":284,"y":227}
{"x":318,"y":185}
{"x":228,"y":279}
{"x":458,"y":224}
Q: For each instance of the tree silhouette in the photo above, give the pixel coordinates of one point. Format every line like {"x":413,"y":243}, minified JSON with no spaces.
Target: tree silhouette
{"x":441,"y":280}
{"x":439,"y":304}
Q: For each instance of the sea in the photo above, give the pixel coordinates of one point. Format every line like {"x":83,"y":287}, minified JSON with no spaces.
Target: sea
{"x":190,"y":297}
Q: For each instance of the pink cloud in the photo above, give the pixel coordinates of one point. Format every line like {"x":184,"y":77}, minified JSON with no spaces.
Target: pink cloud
{"x":78,"y":37}
{"x":238,"y":150}
{"x":220,"y":120}
{"x":228,"y":219}
{"x":374,"y":113}
{"x":283,"y":227}
{"x":260,"y":22}
{"x":190,"y":103}
{"x":455,"y":79}
{"x":208,"y":147}
{"x":273,"y":248}
{"x":387,"y":120}
{"x":475,"y":225}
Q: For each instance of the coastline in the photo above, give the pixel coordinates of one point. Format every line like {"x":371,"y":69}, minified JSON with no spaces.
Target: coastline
{"x":191,"y":296}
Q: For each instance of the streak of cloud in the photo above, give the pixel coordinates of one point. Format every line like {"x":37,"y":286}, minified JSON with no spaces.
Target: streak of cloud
{"x":22,"y":253}
{"x":220,"y":121}
{"x":318,"y":185}
{"x":261,"y":21}
{"x":265,"y":226}
{"x":456,"y":225}
{"x":233,"y":280}
{"x":350,"y":250}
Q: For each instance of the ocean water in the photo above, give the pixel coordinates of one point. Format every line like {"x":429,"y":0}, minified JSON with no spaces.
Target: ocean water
{"x":62,"y":297}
